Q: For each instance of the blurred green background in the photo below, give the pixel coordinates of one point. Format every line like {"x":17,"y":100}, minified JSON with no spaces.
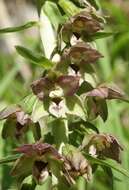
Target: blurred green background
{"x":16,"y":74}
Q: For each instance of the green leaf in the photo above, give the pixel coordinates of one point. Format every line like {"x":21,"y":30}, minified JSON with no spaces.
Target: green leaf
{"x":39,"y":4}
{"x":28,"y":184}
{"x":99,"y":35}
{"x":108,"y":163}
{"x":75,"y":107}
{"x":10,"y":158}
{"x":94,"y":3}
{"x":53,"y":13}
{"x":60,"y":131}
{"x":22,"y":166}
{"x":19,"y":28}
{"x":9,"y":128}
{"x":27,"y":103}
{"x":39,"y":111}
{"x":47,"y":34}
{"x":69,"y":7}
{"x":35,"y":58}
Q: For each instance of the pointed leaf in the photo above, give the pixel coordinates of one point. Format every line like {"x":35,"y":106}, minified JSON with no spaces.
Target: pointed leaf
{"x":19,"y":28}
{"x":108,"y":163}
{"x":35,"y":58}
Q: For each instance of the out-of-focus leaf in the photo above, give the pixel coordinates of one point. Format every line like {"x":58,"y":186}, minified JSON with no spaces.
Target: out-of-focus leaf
{"x":109,"y":172}
{"x":19,"y":28}
{"x":69,"y":7}
{"x":8,"y":79}
{"x":53,"y":12}
{"x":36,"y":59}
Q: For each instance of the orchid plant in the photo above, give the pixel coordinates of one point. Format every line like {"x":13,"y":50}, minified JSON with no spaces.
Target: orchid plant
{"x":64,"y":103}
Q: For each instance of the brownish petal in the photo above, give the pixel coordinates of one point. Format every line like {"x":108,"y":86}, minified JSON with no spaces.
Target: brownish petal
{"x":38,"y":149}
{"x":10,"y":111}
{"x":69,"y":84}
{"x":42,"y":87}
{"x":106,"y":145}
{"x":83,"y":53}
{"x":85,"y":21}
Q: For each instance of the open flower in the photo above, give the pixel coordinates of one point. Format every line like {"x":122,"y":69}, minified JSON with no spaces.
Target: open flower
{"x":17,"y":122}
{"x":36,"y":160}
{"x":76,"y":165}
{"x":86,"y":22}
{"x":104,"y":145}
{"x":105,"y":92}
{"x":44,"y":86}
{"x":82,"y":53}
{"x":96,"y":100}
{"x":79,"y":57}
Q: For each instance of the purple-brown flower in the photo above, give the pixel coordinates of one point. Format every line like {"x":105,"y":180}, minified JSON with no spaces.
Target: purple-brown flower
{"x":68,"y":83}
{"x":104,"y":146}
{"x":82,"y":53}
{"x":17,"y":122}
{"x":76,"y":165}
{"x":86,"y":22}
{"x":36,"y":160}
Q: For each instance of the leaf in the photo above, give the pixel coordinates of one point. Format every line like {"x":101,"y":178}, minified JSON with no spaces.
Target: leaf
{"x":22,"y":166}
{"x":28,"y":184}
{"x":10,"y":158}
{"x":103,"y":109}
{"x":6,"y":81}
{"x":19,"y":28}
{"x":99,"y":35}
{"x":75,"y":107}
{"x":53,"y":13}
{"x":39,"y":4}
{"x":69,"y":7}
{"x":94,"y":3}
{"x":84,"y":87}
{"x":60,"y":131}
{"x":35,"y":58}
{"x":9,"y":129}
{"x":49,"y":40}
{"x":39,"y":111}
{"x":27,"y":103}
{"x":108,"y":163}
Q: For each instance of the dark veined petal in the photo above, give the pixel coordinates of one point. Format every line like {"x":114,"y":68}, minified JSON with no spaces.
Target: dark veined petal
{"x":69,"y":84}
